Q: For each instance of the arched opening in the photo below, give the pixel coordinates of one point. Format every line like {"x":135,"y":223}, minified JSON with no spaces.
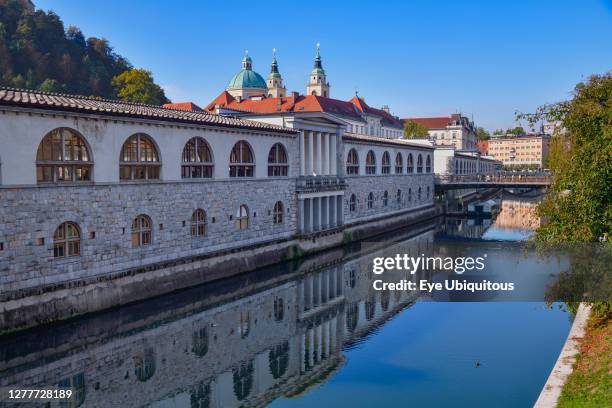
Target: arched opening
{"x":242,"y":217}
{"x":428,"y":164}
{"x":277,"y":213}
{"x":242,"y":162}
{"x":370,"y":200}
{"x":198,"y":223}
{"x":410,"y":167}
{"x":352,"y":162}
{"x":399,"y":163}
{"x":141,"y":231}
{"x":371,"y":162}
{"x":63,"y":156}
{"x":277,"y":161}
{"x":352,"y":203}
{"x":197,"y":160}
{"x":420,"y":164}
{"x":139,"y":159}
{"x":386,"y":163}
{"x":67,"y":240}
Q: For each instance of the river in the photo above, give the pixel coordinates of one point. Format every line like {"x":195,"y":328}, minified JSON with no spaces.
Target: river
{"x":314,"y":333}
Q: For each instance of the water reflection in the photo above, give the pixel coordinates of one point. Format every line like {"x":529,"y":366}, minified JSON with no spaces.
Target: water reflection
{"x":277,"y":332}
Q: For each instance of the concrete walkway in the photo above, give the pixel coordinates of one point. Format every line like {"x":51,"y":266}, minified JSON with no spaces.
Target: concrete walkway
{"x":563,"y":368}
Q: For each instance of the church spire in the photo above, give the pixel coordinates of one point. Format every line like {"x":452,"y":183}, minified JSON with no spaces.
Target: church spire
{"x":317,"y":84}
{"x":275,"y":80}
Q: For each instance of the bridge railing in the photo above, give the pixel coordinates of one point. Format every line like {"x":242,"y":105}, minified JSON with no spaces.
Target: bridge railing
{"x":500,"y":178}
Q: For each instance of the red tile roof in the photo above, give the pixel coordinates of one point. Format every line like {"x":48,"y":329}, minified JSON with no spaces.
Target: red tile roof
{"x":188,"y":106}
{"x":292,"y":103}
{"x":300,"y":103}
{"x":388,"y":119}
{"x":31,"y":99}
{"x":431,"y":123}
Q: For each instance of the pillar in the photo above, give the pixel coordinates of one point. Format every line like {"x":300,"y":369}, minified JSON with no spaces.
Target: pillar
{"x":325,"y":153}
{"x":302,"y":153}
{"x":310,"y":215}
{"x":332,"y":211}
{"x":333,"y":162}
{"x":310,"y":167}
{"x":324,"y":213}
{"x":339,"y":209}
{"x":301,"y":215}
{"x":317,"y":210}
{"x":319,"y":153}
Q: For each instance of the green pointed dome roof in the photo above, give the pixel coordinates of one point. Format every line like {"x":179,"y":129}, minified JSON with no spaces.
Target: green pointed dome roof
{"x":247,"y":78}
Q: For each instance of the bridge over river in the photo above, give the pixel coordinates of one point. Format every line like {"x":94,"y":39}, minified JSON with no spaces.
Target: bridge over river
{"x":500,"y":180}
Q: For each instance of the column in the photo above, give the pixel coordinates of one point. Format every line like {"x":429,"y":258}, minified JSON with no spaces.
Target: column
{"x":310,"y":167}
{"x":317,"y":222}
{"x":310,"y":289}
{"x":325,"y":153}
{"x":302,"y":154}
{"x":332,"y":211}
{"x":303,"y":352}
{"x":333,"y":162}
{"x":311,"y":335}
{"x":301,"y":214}
{"x":310,"y":215}
{"x":340,"y":212}
{"x":319,"y":153}
{"x":324,"y":213}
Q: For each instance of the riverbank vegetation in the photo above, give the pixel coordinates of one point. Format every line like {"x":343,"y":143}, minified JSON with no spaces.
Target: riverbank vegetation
{"x":578,"y":210}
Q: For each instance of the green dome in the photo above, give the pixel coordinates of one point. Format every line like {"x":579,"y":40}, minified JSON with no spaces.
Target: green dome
{"x":247,"y":78}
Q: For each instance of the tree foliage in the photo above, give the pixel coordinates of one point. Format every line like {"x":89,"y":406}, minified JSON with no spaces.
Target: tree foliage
{"x":414,"y":130}
{"x":37,"y":52}
{"x":137,"y":85}
{"x":482,"y":134}
{"x":578,"y":209}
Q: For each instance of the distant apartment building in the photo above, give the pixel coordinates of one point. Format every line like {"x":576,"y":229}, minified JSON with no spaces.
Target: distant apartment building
{"x":454,"y":130}
{"x":522,"y":150}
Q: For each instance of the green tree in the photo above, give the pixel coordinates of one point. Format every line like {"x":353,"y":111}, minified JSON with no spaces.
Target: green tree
{"x":518,"y":130}
{"x":577,"y":209}
{"x":482,"y":134}
{"x":50,"y":85}
{"x":414,"y":130}
{"x":137,"y":85}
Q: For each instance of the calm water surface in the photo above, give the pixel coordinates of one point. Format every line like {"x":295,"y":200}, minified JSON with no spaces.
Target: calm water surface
{"x":313,"y":333}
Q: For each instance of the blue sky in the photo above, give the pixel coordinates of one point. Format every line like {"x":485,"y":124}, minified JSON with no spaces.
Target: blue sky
{"x":426,"y":58}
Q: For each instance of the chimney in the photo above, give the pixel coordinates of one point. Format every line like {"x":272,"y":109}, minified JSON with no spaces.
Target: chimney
{"x":386,"y":109}
{"x":294,"y":94}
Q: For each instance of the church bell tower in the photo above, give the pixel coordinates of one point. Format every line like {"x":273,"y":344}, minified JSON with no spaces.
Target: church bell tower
{"x":317,"y":84}
{"x":275,"y":80}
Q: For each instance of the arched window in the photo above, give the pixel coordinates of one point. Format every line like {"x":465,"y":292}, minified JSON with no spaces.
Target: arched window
{"x":410,"y":195}
{"x":242,"y":163}
{"x":198,"y":223}
{"x":370,"y":163}
{"x":66,"y":240}
{"x":398,"y":196}
{"x":244,"y":327}
{"x":277,"y":161}
{"x":197,"y":161}
{"x":352,"y":203}
{"x":200,"y":342}
{"x":144,"y":365}
{"x":370,"y":200}
{"x":352,"y":162}
{"x":420,"y":164}
{"x":279,"y":359}
{"x":385,"y":198}
{"x":399,"y":163}
{"x":370,"y":307}
{"x":410,"y":168}
{"x":420,"y":193}
{"x":62,"y":156}
{"x":139,"y":159}
{"x":141,"y":231}
{"x":386,"y":163}
{"x":428,"y":164}
{"x":279,"y":310}
{"x":428,"y":192}
{"x":277,"y":213}
{"x":242,"y":217}
{"x":243,"y":380}
{"x":352,"y":316}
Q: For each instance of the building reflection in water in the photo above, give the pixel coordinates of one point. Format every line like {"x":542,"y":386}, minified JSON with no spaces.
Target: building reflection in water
{"x":246,"y":341}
